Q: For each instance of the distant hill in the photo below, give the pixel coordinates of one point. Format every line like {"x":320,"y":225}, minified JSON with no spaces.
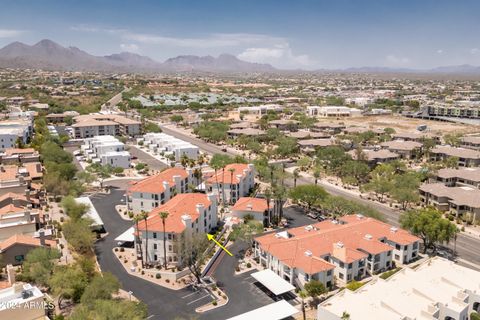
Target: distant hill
{"x":49,"y":55}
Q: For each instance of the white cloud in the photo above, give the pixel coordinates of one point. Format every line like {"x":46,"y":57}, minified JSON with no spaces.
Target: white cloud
{"x":440,"y":51}
{"x":8,"y":33}
{"x":129,"y":47}
{"x":397,"y":61}
{"x":280,"y":55}
{"x":475,"y":51}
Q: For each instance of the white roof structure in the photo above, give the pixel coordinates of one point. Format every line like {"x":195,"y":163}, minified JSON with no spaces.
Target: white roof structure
{"x":438,"y":285}
{"x":275,"y":311}
{"x":127,"y":236}
{"x":272,"y":281}
{"x":92,"y":212}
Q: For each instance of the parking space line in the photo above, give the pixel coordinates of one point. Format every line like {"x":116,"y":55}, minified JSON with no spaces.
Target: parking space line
{"x":190,"y":294}
{"x":207,"y":295}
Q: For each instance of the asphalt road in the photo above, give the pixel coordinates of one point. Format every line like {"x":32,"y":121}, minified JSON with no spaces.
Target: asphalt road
{"x":166,"y":304}
{"x":153,"y":163}
{"x":467,"y":247}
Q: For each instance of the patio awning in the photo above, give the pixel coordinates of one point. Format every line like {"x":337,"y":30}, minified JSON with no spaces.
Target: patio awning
{"x":272,"y":281}
{"x":127,"y":236}
{"x":275,"y":311}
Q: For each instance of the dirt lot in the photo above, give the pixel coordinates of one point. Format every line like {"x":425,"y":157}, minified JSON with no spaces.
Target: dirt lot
{"x":403,"y":124}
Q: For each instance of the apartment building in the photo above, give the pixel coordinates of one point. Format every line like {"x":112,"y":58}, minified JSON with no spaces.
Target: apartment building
{"x":470,"y":142}
{"x":453,"y":111}
{"x":261,"y":110}
{"x":106,"y":150}
{"x":19,"y":156}
{"x":87,"y":126}
{"x":415,"y":136}
{"x":465,"y":157}
{"x":333,"y":111}
{"x":17,"y":179}
{"x":13,"y":130}
{"x":149,"y":193}
{"x":469,"y":177}
{"x":14,"y":249}
{"x":193,"y":213}
{"x":437,"y":289}
{"x":167,"y":145}
{"x":405,"y":149}
{"x":345,"y":250}
{"x":16,"y":219}
{"x":232,"y":182}
{"x":374,"y":157}
{"x":463,"y":202}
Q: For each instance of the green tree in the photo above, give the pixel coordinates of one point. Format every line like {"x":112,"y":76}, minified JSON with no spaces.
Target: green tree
{"x":354,"y":171}
{"x":176,"y":118}
{"x":68,"y":282}
{"x":315,"y":288}
{"x":101,"y":287}
{"x":303,"y":294}
{"x":286,"y":146}
{"x":111,"y":309}
{"x":332,"y":158}
{"x":247,"y":231}
{"x":192,"y":252}
{"x":39,"y":264}
{"x":381,"y":180}
{"x":308,"y":194}
{"x":79,"y":235}
{"x":405,"y":189}
{"x":73,"y":209}
{"x":429,"y":225}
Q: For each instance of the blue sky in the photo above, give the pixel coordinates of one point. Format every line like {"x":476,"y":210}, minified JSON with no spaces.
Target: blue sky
{"x":288,"y":34}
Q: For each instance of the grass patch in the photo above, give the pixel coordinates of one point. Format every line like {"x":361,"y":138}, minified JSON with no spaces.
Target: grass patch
{"x":354,"y":285}
{"x":389,"y":273}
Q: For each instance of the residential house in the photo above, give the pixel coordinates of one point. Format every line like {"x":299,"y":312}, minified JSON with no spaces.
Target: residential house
{"x":255,"y":207}
{"x":469,"y":177}
{"x":405,"y":149}
{"x":465,"y":157}
{"x":14,"y":249}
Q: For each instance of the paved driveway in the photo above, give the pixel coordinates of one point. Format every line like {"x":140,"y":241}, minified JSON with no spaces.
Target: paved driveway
{"x":153,"y":163}
{"x":169,"y":304}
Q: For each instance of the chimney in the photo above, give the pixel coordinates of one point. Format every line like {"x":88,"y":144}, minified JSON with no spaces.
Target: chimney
{"x":41,"y":236}
{"x":187,"y":220}
{"x":27,"y":194}
{"x":200,"y":208}
{"x":11,"y":274}
{"x":2,"y":168}
{"x":212,"y":198}
{"x":28,"y":213}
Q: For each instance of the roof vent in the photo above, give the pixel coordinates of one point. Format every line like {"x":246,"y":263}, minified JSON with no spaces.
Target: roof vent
{"x":309,"y":227}
{"x":308,"y":253}
{"x":393,"y":229}
{"x":249,"y":207}
{"x":339,"y":244}
{"x":368,"y":236}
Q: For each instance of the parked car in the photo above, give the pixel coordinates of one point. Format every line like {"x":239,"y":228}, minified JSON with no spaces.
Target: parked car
{"x":312,"y":215}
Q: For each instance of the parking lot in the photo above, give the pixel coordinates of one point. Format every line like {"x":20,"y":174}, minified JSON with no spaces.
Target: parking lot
{"x":197,"y":297}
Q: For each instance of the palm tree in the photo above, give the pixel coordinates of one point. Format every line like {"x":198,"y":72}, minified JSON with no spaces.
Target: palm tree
{"x":164,"y":215}
{"x":296,"y":174}
{"x":303,"y":294}
{"x":144,"y":216}
{"x":232,"y":171}
{"x":215,"y":167}
{"x":223,"y":184}
{"x":197,"y":174}
{"x":137,"y":219}
{"x":316,"y":174}
{"x":268,"y":197}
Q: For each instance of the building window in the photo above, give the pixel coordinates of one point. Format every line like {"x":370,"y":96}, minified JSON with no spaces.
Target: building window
{"x":341,"y":264}
{"x":341,"y":276}
{"x":155,"y":257}
{"x":170,"y":248}
{"x":329,"y":273}
{"x":154,"y":235}
{"x":154,"y":246}
{"x":169,"y":236}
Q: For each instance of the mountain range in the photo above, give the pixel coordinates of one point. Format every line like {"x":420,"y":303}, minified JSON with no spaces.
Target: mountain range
{"x":49,"y":55}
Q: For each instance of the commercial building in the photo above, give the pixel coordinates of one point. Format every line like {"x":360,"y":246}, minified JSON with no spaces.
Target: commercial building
{"x":333,"y":111}
{"x":461,"y":201}
{"x":87,"y":126}
{"x":167,"y":145}
{"x":465,"y":157}
{"x":437,"y":289}
{"x":194,"y":213}
{"x":149,"y":193}
{"x":106,"y":150}
{"x":345,"y":250}
{"x":232,"y":182}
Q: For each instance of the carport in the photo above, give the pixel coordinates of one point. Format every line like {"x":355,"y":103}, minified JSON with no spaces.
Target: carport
{"x":275,"y":311}
{"x":273,"y":282}
{"x":127,"y":236}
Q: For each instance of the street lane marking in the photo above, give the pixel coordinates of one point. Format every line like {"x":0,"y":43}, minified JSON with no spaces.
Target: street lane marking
{"x":207,"y":295}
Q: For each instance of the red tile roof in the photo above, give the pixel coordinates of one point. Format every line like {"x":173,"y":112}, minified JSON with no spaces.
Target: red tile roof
{"x":225,"y":176}
{"x":345,"y":242}
{"x":250,"y":204}
{"x":23,"y":239}
{"x":154,"y":184}
{"x":181,"y":204}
